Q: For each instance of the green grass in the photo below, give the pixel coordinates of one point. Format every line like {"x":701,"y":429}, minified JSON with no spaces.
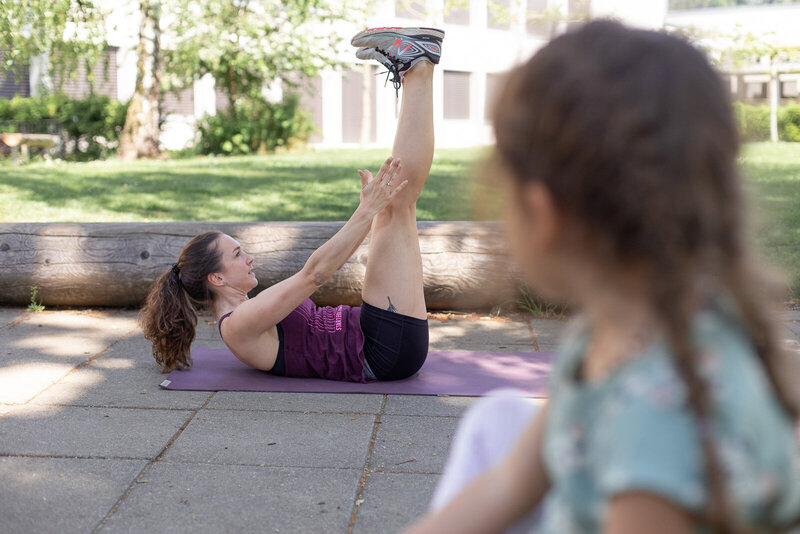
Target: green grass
{"x":323,"y":186}
{"x":772,"y":175}
{"x":309,"y":186}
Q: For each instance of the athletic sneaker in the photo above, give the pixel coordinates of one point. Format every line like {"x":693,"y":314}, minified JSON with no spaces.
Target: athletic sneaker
{"x":399,"y":49}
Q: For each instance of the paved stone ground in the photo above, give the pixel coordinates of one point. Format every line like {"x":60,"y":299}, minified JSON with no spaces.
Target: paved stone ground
{"x":90,"y":443}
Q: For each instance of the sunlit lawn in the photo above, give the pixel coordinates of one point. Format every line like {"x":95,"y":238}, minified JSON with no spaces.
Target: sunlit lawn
{"x":772,"y":172}
{"x":323,"y":186}
{"x":309,"y":186}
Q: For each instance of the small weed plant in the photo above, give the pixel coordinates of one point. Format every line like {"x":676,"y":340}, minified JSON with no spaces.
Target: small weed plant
{"x":36,"y":302}
{"x":536,"y":307}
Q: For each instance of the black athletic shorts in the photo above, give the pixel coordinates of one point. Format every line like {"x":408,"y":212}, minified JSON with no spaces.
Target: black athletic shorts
{"x":395,"y":346}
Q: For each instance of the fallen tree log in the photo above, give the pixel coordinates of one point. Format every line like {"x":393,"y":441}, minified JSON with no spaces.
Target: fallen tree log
{"x":465,"y":264}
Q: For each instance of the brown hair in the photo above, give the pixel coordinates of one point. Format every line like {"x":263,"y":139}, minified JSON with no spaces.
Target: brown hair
{"x":169,"y":315}
{"x":633,"y":134}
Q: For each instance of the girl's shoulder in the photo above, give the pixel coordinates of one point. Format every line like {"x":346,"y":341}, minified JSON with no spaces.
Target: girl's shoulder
{"x":647,"y":409}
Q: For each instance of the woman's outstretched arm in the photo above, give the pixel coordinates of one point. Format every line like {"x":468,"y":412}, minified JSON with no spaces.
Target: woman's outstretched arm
{"x":274,"y":303}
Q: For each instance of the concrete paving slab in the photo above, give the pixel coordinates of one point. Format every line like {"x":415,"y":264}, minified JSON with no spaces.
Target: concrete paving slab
{"x":409,"y":495}
{"x":126,"y":375}
{"x":207,"y":333}
{"x":69,"y":334}
{"x":45,"y":346}
{"x":9,"y":315}
{"x":296,"y":402}
{"x":412,"y":444}
{"x":191,"y":498}
{"x":133,"y":351}
{"x":61,"y":494}
{"x":547,"y":333}
{"x":111,"y":382}
{"x":427,"y":405}
{"x":487,"y":335}
{"x":88,"y":432}
{"x":792,"y":315}
{"x":792,"y":329}
{"x":274,"y":439}
{"x":22,"y":381}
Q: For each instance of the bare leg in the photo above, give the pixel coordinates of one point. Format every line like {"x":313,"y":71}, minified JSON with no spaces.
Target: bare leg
{"x":394,"y":266}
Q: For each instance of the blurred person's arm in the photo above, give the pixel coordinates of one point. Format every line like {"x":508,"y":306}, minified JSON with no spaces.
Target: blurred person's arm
{"x":501,"y":496}
{"x":638,"y":511}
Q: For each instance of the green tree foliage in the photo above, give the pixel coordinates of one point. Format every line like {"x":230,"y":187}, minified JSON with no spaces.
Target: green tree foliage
{"x":255,"y":126}
{"x":247,"y":44}
{"x":90,"y":126}
{"x":68,"y":32}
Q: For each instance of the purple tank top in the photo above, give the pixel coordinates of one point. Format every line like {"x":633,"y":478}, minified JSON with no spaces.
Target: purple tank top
{"x":324,"y":342}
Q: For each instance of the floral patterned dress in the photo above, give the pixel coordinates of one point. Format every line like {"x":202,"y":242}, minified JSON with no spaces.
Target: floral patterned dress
{"x":633,"y":431}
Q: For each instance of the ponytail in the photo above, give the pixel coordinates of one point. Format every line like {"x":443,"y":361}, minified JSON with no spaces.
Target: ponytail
{"x":168,"y":320}
{"x":169,"y":315}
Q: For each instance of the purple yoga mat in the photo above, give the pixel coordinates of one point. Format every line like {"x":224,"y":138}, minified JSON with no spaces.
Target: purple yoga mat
{"x":445,"y":373}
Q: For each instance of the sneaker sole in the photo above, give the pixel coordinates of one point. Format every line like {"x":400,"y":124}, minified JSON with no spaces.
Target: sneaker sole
{"x":406,"y":32}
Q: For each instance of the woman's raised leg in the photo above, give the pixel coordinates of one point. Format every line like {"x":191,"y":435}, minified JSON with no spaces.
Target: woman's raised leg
{"x":393,"y":279}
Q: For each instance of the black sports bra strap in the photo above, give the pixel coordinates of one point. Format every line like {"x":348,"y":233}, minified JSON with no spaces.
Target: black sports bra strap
{"x":219,"y":322}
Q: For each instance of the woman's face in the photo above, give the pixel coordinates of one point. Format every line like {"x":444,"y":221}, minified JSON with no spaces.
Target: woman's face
{"x":237,"y":265}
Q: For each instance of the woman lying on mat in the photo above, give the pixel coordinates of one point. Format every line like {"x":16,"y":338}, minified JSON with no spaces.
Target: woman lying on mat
{"x":280,"y":330}
{"x":671,"y":409}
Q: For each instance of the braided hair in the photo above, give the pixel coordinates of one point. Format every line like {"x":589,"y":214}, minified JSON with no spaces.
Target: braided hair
{"x":632,"y":133}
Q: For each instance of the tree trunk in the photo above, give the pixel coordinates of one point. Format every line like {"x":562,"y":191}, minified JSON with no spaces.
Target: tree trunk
{"x":366,"y":105}
{"x":774,"y":100}
{"x":465,"y":264}
{"x":140,"y":135}
{"x":231,"y":91}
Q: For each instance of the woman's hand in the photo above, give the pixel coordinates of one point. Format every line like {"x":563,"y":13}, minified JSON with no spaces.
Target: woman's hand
{"x":378,"y":191}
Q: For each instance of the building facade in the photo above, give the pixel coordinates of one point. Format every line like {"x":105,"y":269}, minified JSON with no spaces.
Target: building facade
{"x":351,"y":107}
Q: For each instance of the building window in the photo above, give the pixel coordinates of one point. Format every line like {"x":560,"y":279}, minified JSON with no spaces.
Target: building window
{"x":578,"y":13}
{"x":578,"y":9}
{"x":353,"y":103}
{"x":19,"y":85}
{"x":103,"y":78}
{"x":494,"y":83}
{"x":755,"y":90}
{"x":409,"y":9}
{"x":456,"y":94}
{"x":535,"y":24}
{"x":457,"y":12}
{"x":311,"y":101}
{"x":221,"y":97}
{"x":789,"y":89}
{"x":180,"y":102}
{"x":498,"y":13}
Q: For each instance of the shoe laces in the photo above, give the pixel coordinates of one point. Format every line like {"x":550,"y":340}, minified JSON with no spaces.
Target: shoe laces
{"x":396,"y":77}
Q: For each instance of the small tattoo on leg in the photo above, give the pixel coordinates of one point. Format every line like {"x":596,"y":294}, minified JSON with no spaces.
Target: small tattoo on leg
{"x":391,"y":307}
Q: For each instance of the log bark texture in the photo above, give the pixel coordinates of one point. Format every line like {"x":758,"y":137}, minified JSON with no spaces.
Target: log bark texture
{"x":466,"y":264}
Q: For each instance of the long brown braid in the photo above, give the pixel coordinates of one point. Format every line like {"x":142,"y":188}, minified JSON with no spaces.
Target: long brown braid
{"x":633,"y":134}
{"x":169,"y":315}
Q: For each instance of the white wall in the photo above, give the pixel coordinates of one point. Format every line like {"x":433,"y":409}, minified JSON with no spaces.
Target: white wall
{"x":640,"y":13}
{"x":782,"y":21}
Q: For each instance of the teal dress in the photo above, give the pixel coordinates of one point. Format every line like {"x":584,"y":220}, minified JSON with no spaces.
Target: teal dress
{"x":633,"y":431}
